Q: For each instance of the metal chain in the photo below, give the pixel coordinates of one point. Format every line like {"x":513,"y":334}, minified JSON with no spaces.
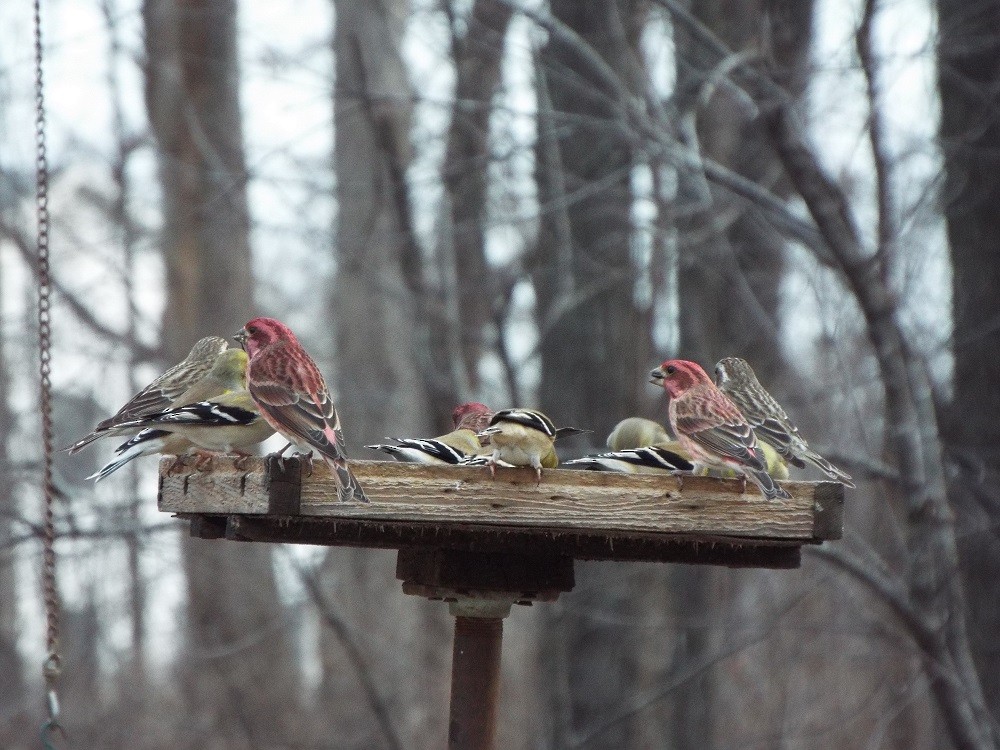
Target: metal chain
{"x":53,"y":665}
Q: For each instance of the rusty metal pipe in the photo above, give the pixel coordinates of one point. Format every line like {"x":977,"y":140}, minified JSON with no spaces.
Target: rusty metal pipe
{"x":475,"y":683}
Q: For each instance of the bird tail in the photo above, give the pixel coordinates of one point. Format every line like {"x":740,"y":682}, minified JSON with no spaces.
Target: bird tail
{"x":768,"y":488}
{"x":143,"y":444}
{"x":83,"y":442}
{"x":829,"y":469}
{"x":348,"y":488}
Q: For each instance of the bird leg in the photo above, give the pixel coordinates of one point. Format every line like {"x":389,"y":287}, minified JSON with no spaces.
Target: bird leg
{"x":279,"y":456}
{"x":175,"y":464}
{"x":307,"y":459}
{"x":203,"y":459}
{"x":744,"y":478}
{"x":679,"y":476}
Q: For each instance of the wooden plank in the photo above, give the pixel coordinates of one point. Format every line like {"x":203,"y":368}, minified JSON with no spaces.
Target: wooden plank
{"x":581,"y":545}
{"x":599,"y":502}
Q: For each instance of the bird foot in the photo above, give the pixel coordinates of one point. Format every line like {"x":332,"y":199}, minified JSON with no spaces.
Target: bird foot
{"x":679,"y":476}
{"x":240,"y":462}
{"x":744,"y":490}
{"x":203,"y":459}
{"x":176,"y":464}
{"x":307,"y":462}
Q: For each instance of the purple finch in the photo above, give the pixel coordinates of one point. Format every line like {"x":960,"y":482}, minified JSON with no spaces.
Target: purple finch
{"x":710,"y":427}
{"x":292,"y":396}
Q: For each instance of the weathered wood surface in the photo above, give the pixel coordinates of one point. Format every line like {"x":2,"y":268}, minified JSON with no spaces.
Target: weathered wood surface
{"x":582,"y":514}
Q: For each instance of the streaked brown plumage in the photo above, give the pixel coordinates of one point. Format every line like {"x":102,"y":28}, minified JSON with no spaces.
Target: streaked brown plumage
{"x":736,"y":379}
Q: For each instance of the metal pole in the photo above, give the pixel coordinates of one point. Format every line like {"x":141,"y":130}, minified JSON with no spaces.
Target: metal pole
{"x":475,"y":678}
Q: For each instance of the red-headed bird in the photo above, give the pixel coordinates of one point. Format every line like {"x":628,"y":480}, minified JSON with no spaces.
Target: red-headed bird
{"x":710,"y":427}
{"x":292,"y":396}
{"x":471,"y":416}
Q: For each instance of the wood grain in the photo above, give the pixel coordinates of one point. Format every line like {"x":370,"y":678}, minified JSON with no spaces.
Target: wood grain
{"x":591,"y":502}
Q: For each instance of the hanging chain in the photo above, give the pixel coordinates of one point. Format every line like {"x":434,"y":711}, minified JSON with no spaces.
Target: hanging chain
{"x":52,"y":666}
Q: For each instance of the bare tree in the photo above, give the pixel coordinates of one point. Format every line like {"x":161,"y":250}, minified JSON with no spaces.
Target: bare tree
{"x":591,"y":330}
{"x":478,"y":54}
{"x":13,"y":688}
{"x":383,"y":363}
{"x":969,"y":65}
{"x":237,"y":662}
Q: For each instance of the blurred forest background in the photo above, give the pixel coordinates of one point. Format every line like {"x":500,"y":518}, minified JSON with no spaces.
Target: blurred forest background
{"x":524,"y":203}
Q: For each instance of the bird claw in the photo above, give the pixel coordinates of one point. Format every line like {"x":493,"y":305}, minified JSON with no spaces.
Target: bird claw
{"x":679,"y":476}
{"x":203,"y":459}
{"x":239,"y":463}
{"x":175,"y":464}
{"x":307,"y":462}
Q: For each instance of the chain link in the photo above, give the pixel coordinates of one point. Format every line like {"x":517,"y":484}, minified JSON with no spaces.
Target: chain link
{"x":52,"y":665}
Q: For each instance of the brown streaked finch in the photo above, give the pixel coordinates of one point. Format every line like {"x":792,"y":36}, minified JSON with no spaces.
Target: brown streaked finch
{"x":710,"y":427}
{"x":161,"y":393}
{"x":636,"y":432}
{"x":736,"y":379}
{"x":292,"y":396}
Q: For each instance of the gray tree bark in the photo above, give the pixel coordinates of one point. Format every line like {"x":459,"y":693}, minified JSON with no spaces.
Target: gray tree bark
{"x":478,"y":57}
{"x":594,"y":343}
{"x":969,"y":68}
{"x":237,"y":661}
{"x":382,"y":350}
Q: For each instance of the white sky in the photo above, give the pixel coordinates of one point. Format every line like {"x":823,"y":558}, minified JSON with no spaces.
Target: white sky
{"x":286,"y":99}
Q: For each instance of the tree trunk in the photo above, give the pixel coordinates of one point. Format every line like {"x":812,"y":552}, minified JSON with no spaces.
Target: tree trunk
{"x":592,"y":334}
{"x":969,"y":66}
{"x":14,"y":707}
{"x":383,"y":378}
{"x":730,"y":282}
{"x":237,"y":660}
{"x":478,"y":57}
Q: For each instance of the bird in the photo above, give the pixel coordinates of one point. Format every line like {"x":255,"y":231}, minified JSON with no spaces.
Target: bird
{"x":289,"y":390}
{"x":524,"y":437}
{"x":664,"y":458}
{"x":161,"y":393}
{"x":477,"y":416}
{"x":710,"y":427}
{"x":472,"y":415}
{"x":227,"y":376}
{"x":636,"y":432}
{"x":146,"y":442}
{"x":226,"y":424}
{"x":450,"y":448}
{"x":736,"y":379}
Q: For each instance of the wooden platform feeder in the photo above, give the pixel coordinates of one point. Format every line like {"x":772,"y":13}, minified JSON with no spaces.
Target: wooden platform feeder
{"x":483,"y":545}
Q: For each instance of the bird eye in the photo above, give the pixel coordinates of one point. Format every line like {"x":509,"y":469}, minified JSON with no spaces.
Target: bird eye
{"x":671,"y":369}
{"x":251,"y":330}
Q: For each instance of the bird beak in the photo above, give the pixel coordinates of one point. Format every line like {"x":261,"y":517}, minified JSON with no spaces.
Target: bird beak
{"x":656,"y":376}
{"x":241,"y":337}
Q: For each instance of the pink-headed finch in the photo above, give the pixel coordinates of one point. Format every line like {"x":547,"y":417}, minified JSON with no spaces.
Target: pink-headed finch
{"x":710,"y":427}
{"x":292,"y":396}
{"x":471,"y":416}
